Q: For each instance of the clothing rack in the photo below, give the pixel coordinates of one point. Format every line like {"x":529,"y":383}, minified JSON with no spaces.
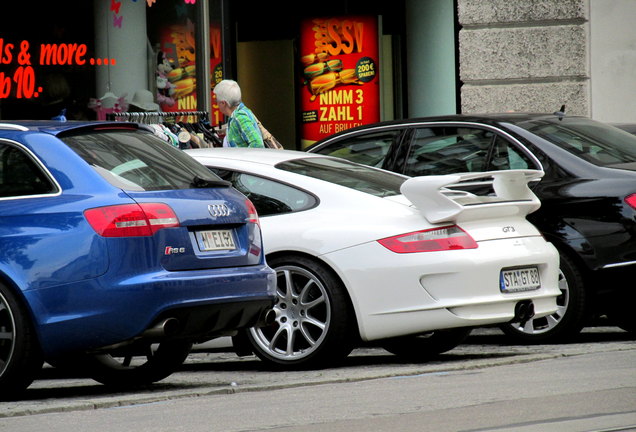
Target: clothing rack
{"x":154,"y":116}
{"x":177,"y":127}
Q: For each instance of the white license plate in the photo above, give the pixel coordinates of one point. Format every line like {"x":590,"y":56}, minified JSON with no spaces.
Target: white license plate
{"x":520,"y":279}
{"x":216,"y":240}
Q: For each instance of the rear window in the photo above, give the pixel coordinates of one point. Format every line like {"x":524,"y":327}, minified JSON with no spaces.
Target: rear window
{"x":136,"y":160}
{"x":348,"y":174}
{"x":595,"y":142}
{"x":270,"y":197}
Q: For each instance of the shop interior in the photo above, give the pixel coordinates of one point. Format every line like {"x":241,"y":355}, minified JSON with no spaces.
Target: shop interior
{"x":260,"y":52}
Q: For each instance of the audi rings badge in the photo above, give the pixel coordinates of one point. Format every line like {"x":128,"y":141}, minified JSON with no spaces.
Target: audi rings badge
{"x":219,"y":210}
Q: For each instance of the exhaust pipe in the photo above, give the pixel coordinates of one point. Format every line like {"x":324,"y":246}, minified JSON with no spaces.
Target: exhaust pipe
{"x":167,"y":327}
{"x":524,"y":311}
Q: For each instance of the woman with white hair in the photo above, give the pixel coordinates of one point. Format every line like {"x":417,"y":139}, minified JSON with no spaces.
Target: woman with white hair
{"x":242,"y":129}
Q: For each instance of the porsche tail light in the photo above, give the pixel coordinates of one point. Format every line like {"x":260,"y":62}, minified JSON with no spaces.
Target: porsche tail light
{"x":131,"y":220}
{"x":436,"y":239}
{"x":631,"y":201}
{"x":252,"y":214}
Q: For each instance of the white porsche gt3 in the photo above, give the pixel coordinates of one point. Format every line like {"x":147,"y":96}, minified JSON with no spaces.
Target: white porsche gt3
{"x":362,"y":254}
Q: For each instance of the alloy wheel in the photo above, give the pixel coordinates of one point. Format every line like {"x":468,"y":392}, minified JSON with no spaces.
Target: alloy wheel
{"x":549,"y":322}
{"x":128,"y":361}
{"x":141,"y":366}
{"x":7,"y":334}
{"x":303,"y":316}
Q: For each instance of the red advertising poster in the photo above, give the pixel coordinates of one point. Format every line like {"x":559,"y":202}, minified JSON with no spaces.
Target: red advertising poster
{"x":176,"y":74}
{"x":339,"y":63}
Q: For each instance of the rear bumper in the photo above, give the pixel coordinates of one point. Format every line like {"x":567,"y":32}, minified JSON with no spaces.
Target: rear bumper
{"x":400,"y":294}
{"x":202,"y":323}
{"x":101,"y":312}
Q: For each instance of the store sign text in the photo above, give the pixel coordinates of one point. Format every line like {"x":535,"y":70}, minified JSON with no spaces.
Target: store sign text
{"x":22,"y":81}
{"x":335,"y":36}
{"x":336,"y":106}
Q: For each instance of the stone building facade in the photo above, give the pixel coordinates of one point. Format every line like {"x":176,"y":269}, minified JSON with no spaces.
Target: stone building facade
{"x":521,"y":55}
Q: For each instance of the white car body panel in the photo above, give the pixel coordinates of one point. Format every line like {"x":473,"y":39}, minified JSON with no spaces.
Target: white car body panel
{"x":398,"y":294}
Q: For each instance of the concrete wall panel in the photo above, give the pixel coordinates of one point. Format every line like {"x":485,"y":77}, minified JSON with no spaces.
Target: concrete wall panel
{"x":523,"y":53}
{"x":545,"y":98}
{"x":479,"y":12}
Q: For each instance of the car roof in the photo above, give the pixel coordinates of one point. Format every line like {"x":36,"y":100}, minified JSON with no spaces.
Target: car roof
{"x":506,"y":116}
{"x":263,"y":156}
{"x":55,"y":127}
{"x":487,"y":118}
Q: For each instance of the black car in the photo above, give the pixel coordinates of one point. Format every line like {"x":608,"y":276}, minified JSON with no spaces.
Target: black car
{"x":588,"y":196}
{"x":627,"y":127}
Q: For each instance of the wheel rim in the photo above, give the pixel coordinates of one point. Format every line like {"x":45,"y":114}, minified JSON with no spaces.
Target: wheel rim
{"x":303,"y":316}
{"x":7,"y":334}
{"x":127,"y":361}
{"x":549,"y":322}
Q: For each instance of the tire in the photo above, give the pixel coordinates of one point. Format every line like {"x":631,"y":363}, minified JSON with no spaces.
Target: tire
{"x":627,"y":323}
{"x":569,"y":318}
{"x":128,"y":370}
{"x":427,"y":345}
{"x":20,"y":356}
{"x":313,"y":319}
{"x":621,"y":313}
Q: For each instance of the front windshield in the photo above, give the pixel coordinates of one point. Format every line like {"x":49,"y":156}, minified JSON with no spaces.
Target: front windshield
{"x":344,"y":173}
{"x":595,"y":142}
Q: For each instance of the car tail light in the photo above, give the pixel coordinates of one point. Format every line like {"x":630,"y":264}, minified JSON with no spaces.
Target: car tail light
{"x":252,"y":214}
{"x":631,"y":201}
{"x":437,"y":239}
{"x":131,"y":220}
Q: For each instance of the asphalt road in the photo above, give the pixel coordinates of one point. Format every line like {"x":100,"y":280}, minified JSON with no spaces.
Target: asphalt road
{"x":485,"y":384}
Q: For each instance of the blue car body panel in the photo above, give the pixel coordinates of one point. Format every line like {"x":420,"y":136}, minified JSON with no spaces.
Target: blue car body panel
{"x":90,"y":314}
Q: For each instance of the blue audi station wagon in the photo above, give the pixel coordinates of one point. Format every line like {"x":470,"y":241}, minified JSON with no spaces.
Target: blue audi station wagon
{"x":119,"y":252}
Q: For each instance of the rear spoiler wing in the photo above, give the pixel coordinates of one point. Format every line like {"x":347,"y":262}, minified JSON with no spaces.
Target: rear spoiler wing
{"x":444,"y":198}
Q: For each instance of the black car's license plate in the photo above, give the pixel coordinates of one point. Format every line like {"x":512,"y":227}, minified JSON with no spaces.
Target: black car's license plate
{"x":519,"y":279}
